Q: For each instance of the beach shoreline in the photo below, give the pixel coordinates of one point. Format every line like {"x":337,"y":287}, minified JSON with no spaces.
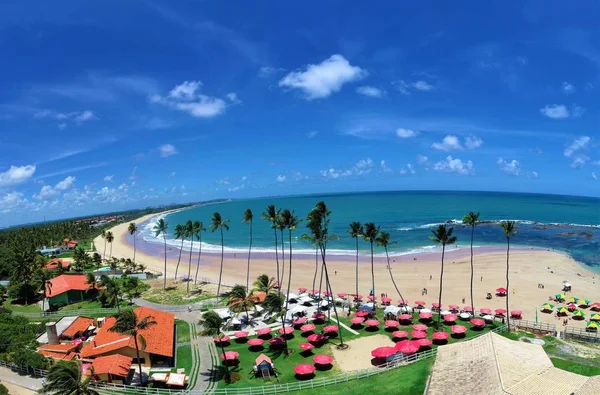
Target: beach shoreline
{"x":530,"y":267}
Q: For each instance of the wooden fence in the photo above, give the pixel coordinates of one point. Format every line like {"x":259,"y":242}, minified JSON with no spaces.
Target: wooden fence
{"x":539,"y":327}
{"x":581,"y":334}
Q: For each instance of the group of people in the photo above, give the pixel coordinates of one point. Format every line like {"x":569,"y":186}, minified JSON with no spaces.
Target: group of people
{"x":424,"y":291}
{"x":541,"y":286}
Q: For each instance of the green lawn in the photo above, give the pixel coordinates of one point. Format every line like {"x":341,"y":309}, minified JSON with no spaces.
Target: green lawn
{"x":184,"y":358}
{"x":89,"y":304}
{"x":407,"y":380}
{"x":30,"y":308}
{"x":174,"y":295}
{"x":183,"y":331}
{"x":570,"y":366}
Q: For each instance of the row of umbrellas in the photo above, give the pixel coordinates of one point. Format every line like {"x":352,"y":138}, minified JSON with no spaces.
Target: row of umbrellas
{"x":306,"y":368}
{"x":573,"y":299}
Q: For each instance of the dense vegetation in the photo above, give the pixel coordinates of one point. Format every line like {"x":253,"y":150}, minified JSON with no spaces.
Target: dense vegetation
{"x":17,"y":341}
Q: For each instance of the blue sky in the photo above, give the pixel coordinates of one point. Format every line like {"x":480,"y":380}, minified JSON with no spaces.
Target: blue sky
{"x":115,"y":105}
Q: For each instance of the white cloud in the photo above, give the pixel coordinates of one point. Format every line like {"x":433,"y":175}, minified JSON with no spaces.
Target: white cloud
{"x":579,"y":161}
{"x":406,"y":133}
{"x":409,"y":169}
{"x":48,"y":191}
{"x":108,"y":178}
{"x":452,"y":165}
{"x":577,"y":111}
{"x":77,"y":117}
{"x":449,"y":143}
{"x":472,"y":142}
{"x":384,"y":167}
{"x":187,"y":98}
{"x":312,"y":134}
{"x":370,"y":91}
{"x":266,"y":71}
{"x":133,"y":173}
{"x":280,"y":178}
{"x":512,"y":167}
{"x":233,"y":97}
{"x":65,"y":184}
{"x":167,"y":150}
{"x":568,"y":88}
{"x":85,"y":116}
{"x":422,"y":159}
{"x":11,"y":201}
{"x":16,"y":175}
{"x":555,"y":111}
{"x":422,"y":86}
{"x":578,"y":144}
{"x":112,"y":195}
{"x":406,"y":87}
{"x":533,"y":174}
{"x":318,"y":81}
{"x":362,"y":167}
{"x":594,"y":176}
{"x":223,"y":181}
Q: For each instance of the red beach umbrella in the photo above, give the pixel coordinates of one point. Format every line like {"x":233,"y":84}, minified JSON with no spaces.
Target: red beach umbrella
{"x":402,"y":302}
{"x":425,"y":342}
{"x":453,"y":307}
{"x":418,"y":335}
{"x":323,"y":359}
{"x":436,"y":304}
{"x":516,"y":313}
{"x":500,"y":311}
{"x":306,"y":346}
{"x":318,"y":316}
{"x":308,"y":328}
{"x":300,"y":320}
{"x":407,"y":347}
{"x":357,"y":320}
{"x":386,"y":299}
{"x":501,"y":290}
{"x":304,"y":369}
{"x":341,"y":295}
{"x":316,"y":338}
{"x":420,"y":303}
{"x":450,"y":317}
{"x":572,"y":306}
{"x":241,"y":334}
{"x":331,"y":329}
{"x":223,"y":339}
{"x":372,"y":297}
{"x":458,"y":329}
{"x":372,"y":323}
{"x":276,"y":341}
{"x":230,"y":355}
{"x":383,"y":352}
{"x":264,"y":331}
{"x":361,"y":313}
{"x":391,"y":324}
{"x":302,"y":289}
{"x":405,"y":317}
{"x":425,"y":316}
{"x":420,"y":327}
{"x":286,"y":331}
{"x":315,"y":291}
{"x":256,"y":342}
{"x":485,"y":310}
{"x":440,"y":335}
{"x":477,"y":322}
{"x":358,"y":297}
{"x":468,"y":308}
{"x":400,"y":334}
{"x":327,"y":293}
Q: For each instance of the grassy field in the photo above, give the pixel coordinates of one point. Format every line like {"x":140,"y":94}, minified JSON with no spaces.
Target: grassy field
{"x":574,"y":367}
{"x":89,"y":304}
{"x":173,"y":295}
{"x":30,"y":308}
{"x":409,"y":380}
{"x":184,"y":358}
{"x":183,"y":331}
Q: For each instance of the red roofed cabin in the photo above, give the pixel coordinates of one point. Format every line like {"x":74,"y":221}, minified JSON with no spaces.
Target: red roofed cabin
{"x":66,"y":289}
{"x":159,"y":340}
{"x":71,"y":244}
{"x":56,"y":262}
{"x":111,"y":368}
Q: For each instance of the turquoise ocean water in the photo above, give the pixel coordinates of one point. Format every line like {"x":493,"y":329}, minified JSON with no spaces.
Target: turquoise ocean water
{"x":566,"y":223}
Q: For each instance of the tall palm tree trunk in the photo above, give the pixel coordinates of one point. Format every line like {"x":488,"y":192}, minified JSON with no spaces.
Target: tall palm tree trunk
{"x":179,"y":259}
{"x":165,"y":278}
{"x":392,"y":276}
{"x":356,"y":266}
{"x":134,"y":248}
{"x":441,"y":284}
{"x":111,"y":249}
{"x":288,"y":287}
{"x":373,"y":278}
{"x":104,"y":249}
{"x":277,"y":262}
{"x":224,"y":357}
{"x":328,"y":286}
{"x":137,"y":353}
{"x":316,"y":267}
{"x":190,"y":267}
{"x":282,"y":261}
{"x":507,"y":282}
{"x":249,"y":252}
{"x":199,"y":255}
{"x":221,"y":269}
{"x":472,"y":270}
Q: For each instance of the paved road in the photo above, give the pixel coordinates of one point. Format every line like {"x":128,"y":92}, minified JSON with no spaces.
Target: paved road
{"x":20,"y":380}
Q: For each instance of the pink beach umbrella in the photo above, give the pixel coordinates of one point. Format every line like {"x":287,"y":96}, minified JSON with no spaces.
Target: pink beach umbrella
{"x":372,"y":297}
{"x":500,"y":311}
{"x":453,"y":307}
{"x":407,"y":346}
{"x":420,"y":327}
{"x":450,"y":317}
{"x":304,"y":369}
{"x":308,"y":327}
{"x":458,"y":329}
{"x":383,"y":352}
{"x":341,"y":295}
{"x":302,"y":289}
{"x":405,"y":317}
{"x":316,"y":338}
{"x":264,"y":331}
{"x":223,"y":339}
{"x":425,"y":316}
{"x":322,"y":359}
{"x":516,"y":313}
{"x":306,"y":346}
{"x":255,"y":342}
{"x":357,"y":320}
{"x":391,"y":324}
{"x":372,"y":323}
{"x":330,"y":329}
{"x":440,"y":336}
{"x":436,"y":304}
{"x":358,"y":297}
{"x":230,"y":355}
{"x":425,"y":342}
{"x":286,"y":331}
{"x":420,"y":303}
{"x":485,"y":310}
{"x":386,"y":299}
{"x":318,"y":316}
{"x":477,"y":322}
{"x":241,"y":334}
{"x":276,"y":341}
{"x":468,"y":308}
{"x":300,"y":320}
{"x":362,"y":313}
{"x":418,"y":335}
{"x":400,"y":334}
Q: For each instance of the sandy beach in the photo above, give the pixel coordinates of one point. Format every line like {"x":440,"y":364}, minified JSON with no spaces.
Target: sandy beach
{"x":529,"y":267}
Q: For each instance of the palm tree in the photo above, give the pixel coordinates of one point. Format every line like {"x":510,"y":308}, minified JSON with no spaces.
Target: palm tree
{"x":127,"y":323}
{"x":180,"y":233}
{"x":133,"y":229}
{"x":193,"y":233}
{"x":103,"y":235}
{"x":281,"y":227}
{"x":264,"y":283}
{"x":471,"y":219}
{"x":90,"y":279}
{"x":289,"y":222}
{"x":217,"y":222}
{"x":370,"y":234}
{"x":247,"y":219}
{"x":211,"y":323}
{"x":44,"y":277}
{"x":110,"y":237}
{"x":199,"y":236}
{"x":356,"y":231}
{"x":510,"y":230}
{"x":442,"y":235}
{"x":65,"y":378}
{"x":161,"y":227}
{"x":383,"y":240}
{"x":311,"y":240}
{"x":241,"y":300}
{"x":271,"y":215}
{"x":112,"y":288}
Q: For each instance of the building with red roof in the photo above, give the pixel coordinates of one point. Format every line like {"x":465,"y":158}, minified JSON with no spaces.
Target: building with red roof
{"x":66,"y":289}
{"x":64,"y":351}
{"x":78,"y":328}
{"x":56,"y":262}
{"x":159,"y":340}
{"x":111,"y":368}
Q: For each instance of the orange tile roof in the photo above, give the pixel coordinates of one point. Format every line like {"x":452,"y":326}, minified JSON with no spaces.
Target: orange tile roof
{"x":53,"y":263}
{"x":57,"y":355}
{"x":115,"y":364}
{"x":62,"y":347}
{"x":78,"y":326}
{"x":67,"y":282}
{"x":159,"y":337}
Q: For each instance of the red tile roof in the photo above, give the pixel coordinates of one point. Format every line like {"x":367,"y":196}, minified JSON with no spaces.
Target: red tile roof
{"x":53,"y":263}
{"x":67,"y":282}
{"x":57,"y":355}
{"x":72,"y":243}
{"x":62,"y":347}
{"x":78,"y":326}
{"x":159,"y":337}
{"x":115,"y":364}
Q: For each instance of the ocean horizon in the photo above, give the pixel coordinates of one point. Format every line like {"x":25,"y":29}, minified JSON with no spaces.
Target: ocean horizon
{"x":569,"y":224}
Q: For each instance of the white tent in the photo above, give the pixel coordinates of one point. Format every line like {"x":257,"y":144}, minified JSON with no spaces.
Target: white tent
{"x":392,"y":310}
{"x":305,"y":299}
{"x":292,"y":296}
